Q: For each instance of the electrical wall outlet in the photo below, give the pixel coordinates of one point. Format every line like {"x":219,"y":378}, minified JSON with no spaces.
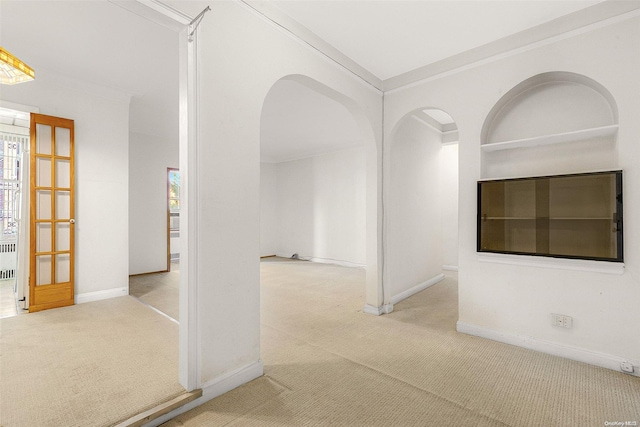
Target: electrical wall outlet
{"x":626,"y":367}
{"x":561,"y":321}
{"x":556,"y":320}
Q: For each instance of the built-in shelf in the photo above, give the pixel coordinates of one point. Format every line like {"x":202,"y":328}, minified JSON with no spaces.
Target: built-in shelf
{"x":557,"y":138}
{"x":507,"y":217}
{"x":551,"y":219}
{"x":576,"y":216}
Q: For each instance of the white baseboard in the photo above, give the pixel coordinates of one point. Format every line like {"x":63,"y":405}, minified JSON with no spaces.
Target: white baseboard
{"x":100,"y":295}
{"x":325,"y":260}
{"x":215,"y":388}
{"x":602,"y":360}
{"x":377,"y":311}
{"x":417,"y":288}
{"x":448,"y":267}
{"x":338,"y":262}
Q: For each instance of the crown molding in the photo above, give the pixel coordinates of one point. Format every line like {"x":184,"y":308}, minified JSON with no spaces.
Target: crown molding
{"x":585,"y":20}
{"x":156,"y":11}
{"x":274,"y":16}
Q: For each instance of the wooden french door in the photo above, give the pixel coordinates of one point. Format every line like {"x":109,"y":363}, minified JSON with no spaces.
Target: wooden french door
{"x":52,"y":232}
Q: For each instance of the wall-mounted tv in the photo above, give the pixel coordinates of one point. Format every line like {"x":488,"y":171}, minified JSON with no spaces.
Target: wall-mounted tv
{"x":563,"y":216}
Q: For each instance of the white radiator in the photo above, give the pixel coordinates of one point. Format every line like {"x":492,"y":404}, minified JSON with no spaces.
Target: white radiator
{"x":8,"y":259}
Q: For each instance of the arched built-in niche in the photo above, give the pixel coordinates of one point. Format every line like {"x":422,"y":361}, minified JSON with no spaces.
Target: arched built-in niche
{"x":421,"y":202}
{"x":552,"y":123}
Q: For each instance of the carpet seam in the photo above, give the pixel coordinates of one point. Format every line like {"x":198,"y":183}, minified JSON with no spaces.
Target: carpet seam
{"x":162,"y":313}
{"x":251,"y":411}
{"x":392,"y":377}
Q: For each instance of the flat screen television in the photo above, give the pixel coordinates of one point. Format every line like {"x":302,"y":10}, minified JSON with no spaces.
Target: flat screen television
{"x":564,"y":216}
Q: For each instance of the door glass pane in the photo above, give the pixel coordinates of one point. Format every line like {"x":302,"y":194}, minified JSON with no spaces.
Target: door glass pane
{"x":63,"y":173}
{"x":43,"y":172}
{"x":63,"y":142}
{"x":43,"y":139}
{"x":63,"y":236}
{"x":43,"y":270}
{"x":63,"y":268}
{"x":43,"y":237}
{"x":43,"y":204}
{"x":63,"y":205}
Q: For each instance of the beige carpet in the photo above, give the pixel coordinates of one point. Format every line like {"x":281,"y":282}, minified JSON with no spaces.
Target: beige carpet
{"x":160,"y":290}
{"x":8,"y":306}
{"x":327,"y":363}
{"x":91,"y":364}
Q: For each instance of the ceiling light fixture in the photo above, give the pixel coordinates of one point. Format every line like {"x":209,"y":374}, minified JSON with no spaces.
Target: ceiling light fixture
{"x":12,"y":70}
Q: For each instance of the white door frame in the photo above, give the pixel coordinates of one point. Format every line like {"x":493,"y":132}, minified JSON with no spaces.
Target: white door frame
{"x":189,"y":337}
{"x":189,"y":332}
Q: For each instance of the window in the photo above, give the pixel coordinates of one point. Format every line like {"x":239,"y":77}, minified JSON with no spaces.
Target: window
{"x":174,"y":190}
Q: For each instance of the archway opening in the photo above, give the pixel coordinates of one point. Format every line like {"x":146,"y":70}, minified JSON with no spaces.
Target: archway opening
{"x":421,"y":212}
{"x":318,"y":182}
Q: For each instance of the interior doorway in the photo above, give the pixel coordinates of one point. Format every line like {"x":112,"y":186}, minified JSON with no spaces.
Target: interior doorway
{"x":313,"y":176}
{"x":318,"y":187}
{"x":37,"y":244}
{"x":14,"y":208}
{"x":422,"y":213}
{"x":159,"y":290}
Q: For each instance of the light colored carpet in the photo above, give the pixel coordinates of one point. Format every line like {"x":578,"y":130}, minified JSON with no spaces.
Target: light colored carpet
{"x":327,"y":363}
{"x":8,"y":306}
{"x":160,"y":290}
{"x":91,"y":364}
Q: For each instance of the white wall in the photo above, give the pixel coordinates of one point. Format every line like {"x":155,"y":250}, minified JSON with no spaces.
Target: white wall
{"x":149,"y":158}
{"x":449,"y":204}
{"x":321,"y":207}
{"x":101,"y":120}
{"x":268,"y":209}
{"x":514,"y":302}
{"x":413,"y":211}
{"x":236,"y":71}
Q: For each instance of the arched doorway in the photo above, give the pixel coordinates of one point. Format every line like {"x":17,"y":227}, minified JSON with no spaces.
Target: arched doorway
{"x":318,"y":178}
{"x":421,"y":203}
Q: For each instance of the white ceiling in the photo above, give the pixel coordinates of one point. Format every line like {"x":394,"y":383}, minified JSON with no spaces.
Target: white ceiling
{"x":440,"y":116}
{"x":391,"y":37}
{"x":96,"y":42}
{"x":100,"y":42}
{"x":387,"y":38}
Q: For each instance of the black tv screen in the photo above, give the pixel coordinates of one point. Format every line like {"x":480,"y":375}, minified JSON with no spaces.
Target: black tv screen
{"x":564,"y":216}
